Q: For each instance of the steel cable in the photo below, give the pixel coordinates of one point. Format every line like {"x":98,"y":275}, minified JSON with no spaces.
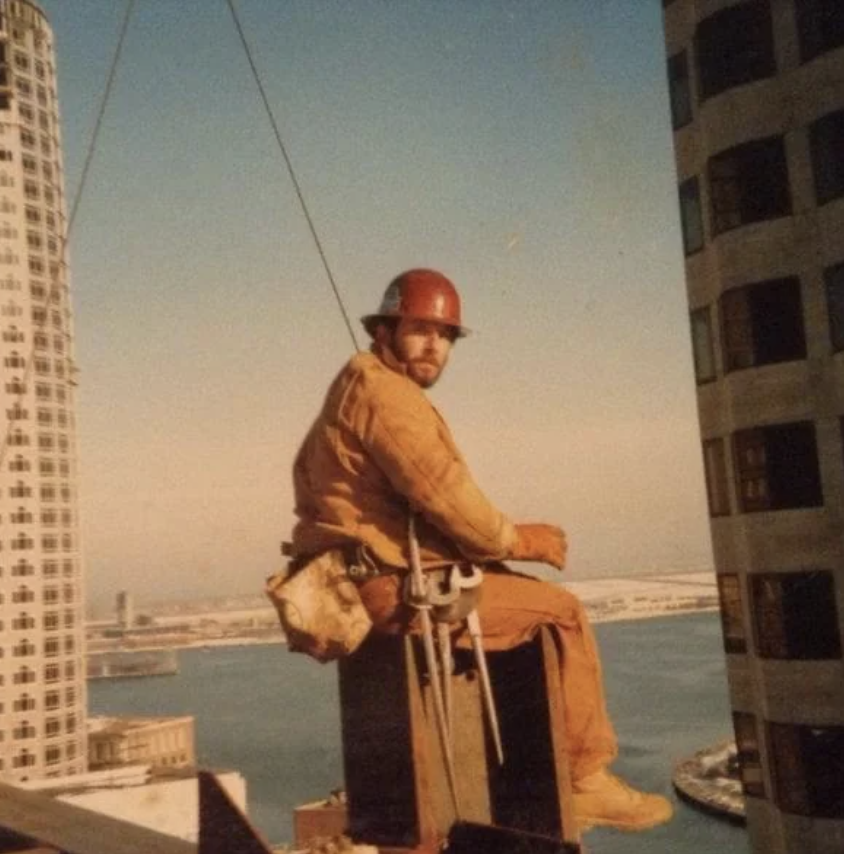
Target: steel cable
{"x":297,"y":187}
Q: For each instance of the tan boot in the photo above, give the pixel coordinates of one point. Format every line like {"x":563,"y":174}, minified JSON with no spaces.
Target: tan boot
{"x":603,"y":800}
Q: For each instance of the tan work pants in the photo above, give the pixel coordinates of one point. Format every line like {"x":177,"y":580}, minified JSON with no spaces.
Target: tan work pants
{"x":511,"y":610}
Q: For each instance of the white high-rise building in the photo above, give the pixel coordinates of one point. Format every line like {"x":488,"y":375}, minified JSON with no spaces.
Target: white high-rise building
{"x":42,"y":670}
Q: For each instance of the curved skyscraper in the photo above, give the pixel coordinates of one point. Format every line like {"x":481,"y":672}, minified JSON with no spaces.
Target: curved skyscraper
{"x":757,"y":99}
{"x":42,"y":668}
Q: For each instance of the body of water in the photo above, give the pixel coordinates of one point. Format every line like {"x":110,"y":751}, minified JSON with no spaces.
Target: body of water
{"x":273,"y":716}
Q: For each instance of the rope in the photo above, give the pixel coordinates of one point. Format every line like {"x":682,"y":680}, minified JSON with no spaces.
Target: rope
{"x":62,"y":262}
{"x":292,"y":174}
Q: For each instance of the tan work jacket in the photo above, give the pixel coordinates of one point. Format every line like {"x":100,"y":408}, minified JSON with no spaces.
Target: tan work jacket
{"x":377,"y":448}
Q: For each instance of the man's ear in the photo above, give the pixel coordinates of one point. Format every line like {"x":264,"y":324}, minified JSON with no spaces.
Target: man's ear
{"x":383,"y":334}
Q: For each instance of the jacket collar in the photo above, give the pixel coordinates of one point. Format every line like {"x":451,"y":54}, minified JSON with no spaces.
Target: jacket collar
{"x":389,"y":358}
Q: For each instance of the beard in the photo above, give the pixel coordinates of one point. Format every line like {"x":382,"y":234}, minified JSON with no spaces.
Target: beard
{"x":424,"y":372}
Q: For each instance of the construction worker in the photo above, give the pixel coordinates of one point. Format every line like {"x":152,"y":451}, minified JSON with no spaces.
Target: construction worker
{"x":378,"y":451}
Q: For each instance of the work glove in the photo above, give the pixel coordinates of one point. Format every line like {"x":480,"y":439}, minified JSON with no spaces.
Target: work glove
{"x":540,"y":543}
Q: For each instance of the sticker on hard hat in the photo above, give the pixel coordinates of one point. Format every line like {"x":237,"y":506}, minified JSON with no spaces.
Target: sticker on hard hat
{"x":392,"y":300}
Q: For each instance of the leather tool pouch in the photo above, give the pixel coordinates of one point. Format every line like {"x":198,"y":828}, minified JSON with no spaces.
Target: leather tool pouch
{"x":319,"y":606}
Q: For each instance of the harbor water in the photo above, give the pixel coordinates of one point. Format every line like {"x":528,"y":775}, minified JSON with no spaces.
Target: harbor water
{"x":273,"y":716}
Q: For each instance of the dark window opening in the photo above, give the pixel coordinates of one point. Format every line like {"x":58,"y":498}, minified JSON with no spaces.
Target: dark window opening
{"x":679,"y":90}
{"x":749,"y":756}
{"x":691,"y":218}
{"x":826,"y":141}
{"x":734,"y":46}
{"x":795,"y":616}
{"x":763,"y":324}
{"x":715,"y":471}
{"x":820,"y":26}
{"x":703,"y":350}
{"x":732,"y":617}
{"x":808,"y":766}
{"x":834,"y":277}
{"x":749,"y":183}
{"x":777,"y":467}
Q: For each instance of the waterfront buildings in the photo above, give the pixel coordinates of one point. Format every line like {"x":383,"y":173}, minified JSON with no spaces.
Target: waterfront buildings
{"x":42,"y":671}
{"x":757,"y":101}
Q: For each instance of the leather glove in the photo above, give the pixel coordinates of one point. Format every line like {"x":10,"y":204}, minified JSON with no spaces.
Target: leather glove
{"x":540,"y":543}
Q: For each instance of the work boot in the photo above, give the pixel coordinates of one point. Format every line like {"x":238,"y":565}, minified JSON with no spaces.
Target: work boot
{"x":604,"y":800}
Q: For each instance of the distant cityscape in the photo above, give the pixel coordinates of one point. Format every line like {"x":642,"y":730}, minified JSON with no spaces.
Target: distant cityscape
{"x":252,"y":619}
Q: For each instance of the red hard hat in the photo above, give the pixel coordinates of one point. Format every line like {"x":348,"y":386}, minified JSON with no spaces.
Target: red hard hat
{"x":419,"y":295}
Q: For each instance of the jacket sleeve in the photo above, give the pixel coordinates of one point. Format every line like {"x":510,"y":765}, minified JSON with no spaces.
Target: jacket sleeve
{"x":409,"y":442}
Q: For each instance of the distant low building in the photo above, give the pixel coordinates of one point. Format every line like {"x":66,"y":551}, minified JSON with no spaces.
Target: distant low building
{"x":156,"y":742}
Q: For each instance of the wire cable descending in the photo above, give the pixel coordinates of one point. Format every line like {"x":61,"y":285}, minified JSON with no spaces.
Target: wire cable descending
{"x":292,"y":173}
{"x":55,"y":273}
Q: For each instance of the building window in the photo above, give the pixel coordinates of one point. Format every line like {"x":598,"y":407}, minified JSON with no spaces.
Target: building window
{"x":826,"y":142}
{"x":808,"y":769}
{"x":734,"y":46}
{"x":23,"y":621}
{"x":795,"y":616}
{"x":820,"y":25}
{"x":834,"y":277}
{"x":748,"y":183}
{"x":703,"y":350}
{"x":747,"y":746}
{"x":24,"y":759}
{"x":763,"y":324}
{"x":679,"y":90}
{"x":715,"y":470}
{"x":24,"y":703}
{"x":777,"y":467}
{"x":732,"y":618}
{"x":691,"y":218}
{"x":23,"y":676}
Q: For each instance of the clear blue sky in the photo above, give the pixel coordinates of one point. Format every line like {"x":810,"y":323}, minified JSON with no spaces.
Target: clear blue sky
{"x":523,"y":148}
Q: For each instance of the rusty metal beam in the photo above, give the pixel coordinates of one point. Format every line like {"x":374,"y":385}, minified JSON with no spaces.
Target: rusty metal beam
{"x":223,"y":828}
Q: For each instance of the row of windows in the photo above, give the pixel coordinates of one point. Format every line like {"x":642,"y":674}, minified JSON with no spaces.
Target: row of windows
{"x":750,"y":182}
{"x":49,"y":595}
{"x":46,"y":491}
{"x":807,"y":768}
{"x":762,"y":323}
{"x":793,"y":615}
{"x":45,"y":417}
{"x":49,"y":517}
{"x":51,"y":621}
{"x":23,"y":490}
{"x":735,"y":46}
{"x":46,"y":441}
{"x":775,"y":468}
{"x":25,"y":675}
{"x":49,"y":568}
{"x":49,"y":542}
{"x":24,"y":729}
{"x":43,"y":391}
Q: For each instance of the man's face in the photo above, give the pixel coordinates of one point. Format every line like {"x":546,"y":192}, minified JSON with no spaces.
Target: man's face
{"x":423,"y":346}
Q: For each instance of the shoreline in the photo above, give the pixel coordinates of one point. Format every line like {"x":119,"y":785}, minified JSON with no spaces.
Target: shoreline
{"x":263,"y":640}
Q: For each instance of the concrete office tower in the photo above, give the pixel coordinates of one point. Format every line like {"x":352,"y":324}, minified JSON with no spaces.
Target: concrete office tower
{"x":757,"y":98}
{"x":42,"y":671}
